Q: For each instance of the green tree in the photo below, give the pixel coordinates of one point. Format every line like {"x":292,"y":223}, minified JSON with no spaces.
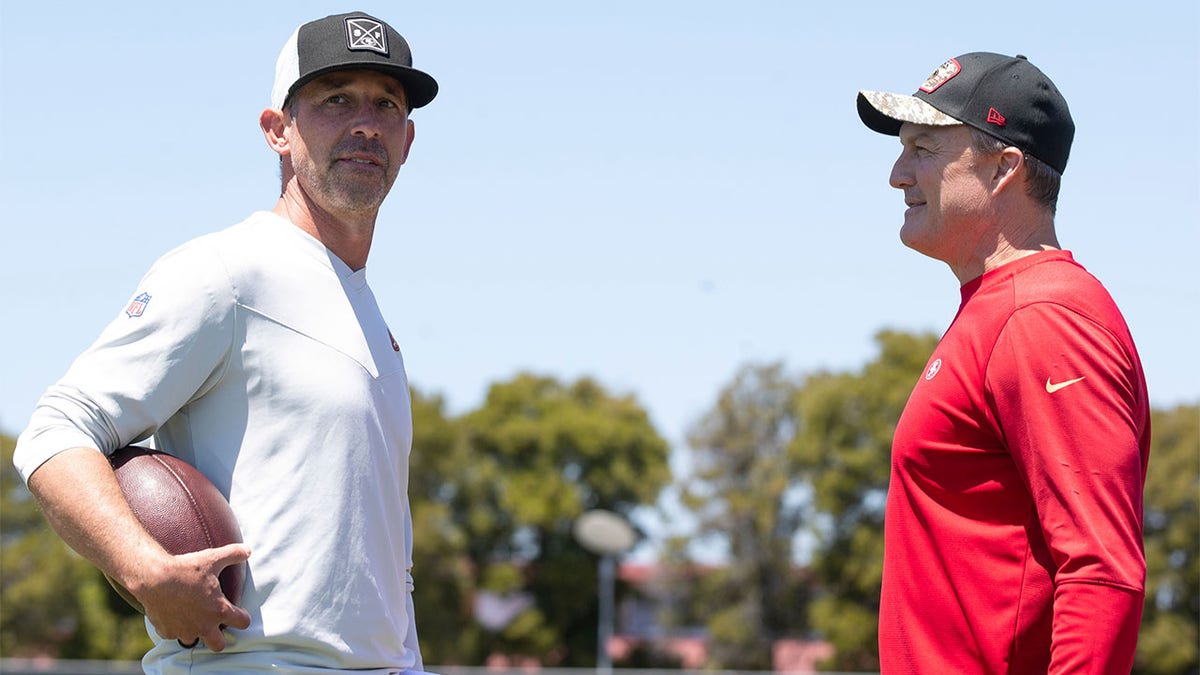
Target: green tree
{"x":841,"y":449}
{"x":53,"y":602}
{"x":1170,"y":633}
{"x":742,"y":490}
{"x":495,"y":495}
{"x":780,"y":461}
{"x":443,"y":581}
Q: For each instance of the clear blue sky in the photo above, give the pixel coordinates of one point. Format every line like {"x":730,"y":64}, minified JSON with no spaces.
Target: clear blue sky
{"x":652,"y":193}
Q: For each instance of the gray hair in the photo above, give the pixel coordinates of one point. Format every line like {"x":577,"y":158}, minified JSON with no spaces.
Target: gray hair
{"x":1042,"y":181}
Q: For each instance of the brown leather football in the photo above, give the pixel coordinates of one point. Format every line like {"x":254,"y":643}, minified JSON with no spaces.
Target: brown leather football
{"x":180,"y":508}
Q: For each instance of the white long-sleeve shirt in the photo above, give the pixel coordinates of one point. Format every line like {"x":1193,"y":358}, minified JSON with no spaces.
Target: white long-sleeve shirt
{"x":259,"y":357}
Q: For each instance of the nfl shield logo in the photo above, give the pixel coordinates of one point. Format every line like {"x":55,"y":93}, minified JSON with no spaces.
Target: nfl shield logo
{"x":138,"y":305}
{"x":366,"y":34}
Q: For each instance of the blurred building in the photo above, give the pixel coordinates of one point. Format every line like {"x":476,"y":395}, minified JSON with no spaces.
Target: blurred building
{"x":656,"y":629}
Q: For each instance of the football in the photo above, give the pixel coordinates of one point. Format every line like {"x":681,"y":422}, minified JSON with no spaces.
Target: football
{"x":180,"y":508}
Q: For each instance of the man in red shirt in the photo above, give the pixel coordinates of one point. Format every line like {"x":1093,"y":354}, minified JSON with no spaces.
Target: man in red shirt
{"x":1013,"y":529}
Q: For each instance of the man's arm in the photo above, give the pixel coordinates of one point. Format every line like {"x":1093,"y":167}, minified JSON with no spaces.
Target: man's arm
{"x":1075,"y":418}
{"x":79,"y":494}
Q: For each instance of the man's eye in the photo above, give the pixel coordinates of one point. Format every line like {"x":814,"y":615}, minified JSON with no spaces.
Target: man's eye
{"x":336,"y":98}
{"x":387,"y":103}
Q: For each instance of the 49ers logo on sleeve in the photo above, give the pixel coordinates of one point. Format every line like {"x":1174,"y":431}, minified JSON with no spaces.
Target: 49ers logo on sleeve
{"x":137,"y":306}
{"x":933,"y":369}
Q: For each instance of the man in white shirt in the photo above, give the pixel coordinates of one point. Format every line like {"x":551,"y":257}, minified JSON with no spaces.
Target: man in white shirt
{"x":259,"y":355}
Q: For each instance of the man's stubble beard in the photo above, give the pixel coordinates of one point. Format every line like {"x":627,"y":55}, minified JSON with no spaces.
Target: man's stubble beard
{"x":356,"y":194}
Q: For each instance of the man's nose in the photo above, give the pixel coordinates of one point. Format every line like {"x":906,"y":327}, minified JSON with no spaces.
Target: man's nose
{"x":901,"y":176}
{"x":366,"y":121}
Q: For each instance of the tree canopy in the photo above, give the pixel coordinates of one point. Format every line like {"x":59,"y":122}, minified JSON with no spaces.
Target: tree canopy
{"x":784,"y":459}
{"x":1170,"y":637}
{"x":499,"y":490}
{"x":842,"y":449}
{"x":742,"y":489}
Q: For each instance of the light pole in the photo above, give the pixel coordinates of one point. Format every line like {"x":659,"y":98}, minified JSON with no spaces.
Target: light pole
{"x":607,"y":535}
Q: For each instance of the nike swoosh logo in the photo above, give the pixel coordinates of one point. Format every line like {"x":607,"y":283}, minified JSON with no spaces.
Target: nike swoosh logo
{"x":1051,"y":387}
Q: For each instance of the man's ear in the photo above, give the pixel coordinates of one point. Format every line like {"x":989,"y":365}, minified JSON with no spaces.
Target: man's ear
{"x":412,"y":132}
{"x":1008,"y":165}
{"x":273,"y":123}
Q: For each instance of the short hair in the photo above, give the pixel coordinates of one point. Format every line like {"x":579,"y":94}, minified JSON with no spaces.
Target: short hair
{"x":1042,"y":181}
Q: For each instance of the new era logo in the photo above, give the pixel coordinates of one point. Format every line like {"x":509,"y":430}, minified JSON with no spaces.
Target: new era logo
{"x":366,"y":34}
{"x":994,"y":117}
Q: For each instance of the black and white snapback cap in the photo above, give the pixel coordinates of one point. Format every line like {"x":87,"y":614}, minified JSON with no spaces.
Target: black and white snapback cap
{"x":344,"y":42}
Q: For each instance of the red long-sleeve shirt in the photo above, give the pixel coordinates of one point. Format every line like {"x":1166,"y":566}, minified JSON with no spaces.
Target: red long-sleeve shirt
{"x":1013,"y":530}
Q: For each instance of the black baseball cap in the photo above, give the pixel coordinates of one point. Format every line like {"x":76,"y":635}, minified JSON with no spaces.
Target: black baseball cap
{"x":1004,"y":96}
{"x":343,"y":42}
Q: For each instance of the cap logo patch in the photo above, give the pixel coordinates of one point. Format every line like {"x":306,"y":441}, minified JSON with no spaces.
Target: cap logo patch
{"x":137,"y":306}
{"x":942,"y":75}
{"x":994,"y":117}
{"x":366,"y":35}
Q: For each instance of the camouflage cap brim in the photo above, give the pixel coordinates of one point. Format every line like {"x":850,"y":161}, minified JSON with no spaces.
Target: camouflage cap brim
{"x":884,"y":112}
